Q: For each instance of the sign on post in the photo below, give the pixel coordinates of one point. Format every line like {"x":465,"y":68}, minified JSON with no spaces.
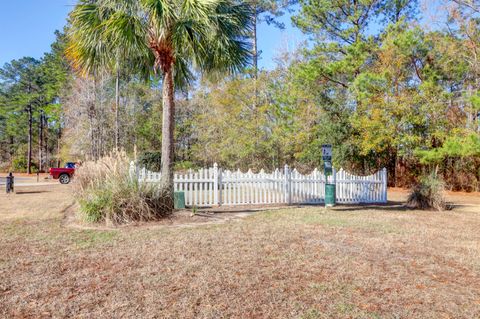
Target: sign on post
{"x":330,"y":195}
{"x":328,"y":168}
{"x":327,"y":159}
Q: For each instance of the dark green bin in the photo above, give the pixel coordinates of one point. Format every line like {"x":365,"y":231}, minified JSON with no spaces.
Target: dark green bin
{"x":330,"y":195}
{"x":179,"y":200}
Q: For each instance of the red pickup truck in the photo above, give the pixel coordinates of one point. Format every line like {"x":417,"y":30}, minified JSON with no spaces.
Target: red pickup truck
{"x":63,"y":174}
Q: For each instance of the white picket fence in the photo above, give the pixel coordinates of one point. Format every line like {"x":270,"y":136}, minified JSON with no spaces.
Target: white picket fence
{"x":214,"y":186}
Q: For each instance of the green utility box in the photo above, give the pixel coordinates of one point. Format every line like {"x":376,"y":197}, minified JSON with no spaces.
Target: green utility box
{"x":179,"y":200}
{"x":329,"y":194}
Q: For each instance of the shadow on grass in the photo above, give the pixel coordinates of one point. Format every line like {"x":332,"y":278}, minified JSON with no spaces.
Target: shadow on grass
{"x":30,"y":192}
{"x":389,"y":206}
{"x":451,"y":206}
{"x":242,"y":209}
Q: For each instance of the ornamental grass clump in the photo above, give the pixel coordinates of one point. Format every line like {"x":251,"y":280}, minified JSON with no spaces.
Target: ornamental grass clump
{"x":108,"y":191}
{"x":428,"y":194}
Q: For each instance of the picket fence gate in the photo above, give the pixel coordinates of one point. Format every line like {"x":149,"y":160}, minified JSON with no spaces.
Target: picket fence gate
{"x":214,"y":186}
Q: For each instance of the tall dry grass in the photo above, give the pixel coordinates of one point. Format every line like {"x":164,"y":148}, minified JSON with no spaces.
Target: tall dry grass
{"x":108,"y":192}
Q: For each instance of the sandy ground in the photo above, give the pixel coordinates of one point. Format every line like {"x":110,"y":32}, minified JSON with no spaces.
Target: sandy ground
{"x":36,"y":202}
{"x":370,"y":261}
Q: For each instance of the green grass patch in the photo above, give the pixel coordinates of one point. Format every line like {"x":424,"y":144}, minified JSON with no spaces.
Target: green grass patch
{"x":14,"y":228}
{"x":312,"y":314}
{"x":329,"y":218}
{"x":93,"y":238}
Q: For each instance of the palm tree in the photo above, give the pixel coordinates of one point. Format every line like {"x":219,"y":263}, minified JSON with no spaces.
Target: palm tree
{"x":168,"y":37}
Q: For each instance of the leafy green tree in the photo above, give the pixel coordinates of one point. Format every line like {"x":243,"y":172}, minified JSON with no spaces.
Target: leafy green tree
{"x":230,"y":129}
{"x":22,"y":91}
{"x":57,"y":73}
{"x":347,"y":37}
{"x":342,"y":49}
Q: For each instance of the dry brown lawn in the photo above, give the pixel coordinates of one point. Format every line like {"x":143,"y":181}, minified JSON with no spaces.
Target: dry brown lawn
{"x":296,"y":262}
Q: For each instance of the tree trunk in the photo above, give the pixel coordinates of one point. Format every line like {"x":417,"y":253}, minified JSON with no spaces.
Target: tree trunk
{"x":395,"y":171}
{"x":59,"y":136}
{"x":166,"y":181}
{"x":255,"y":59}
{"x":45,"y":127}
{"x":30,"y":136}
{"x":94,"y":127}
{"x":12,"y":146}
{"x":40,"y":142}
{"x":255,"y":48}
{"x":135,"y":133}
{"x":100,"y":122}
{"x":117,"y":106}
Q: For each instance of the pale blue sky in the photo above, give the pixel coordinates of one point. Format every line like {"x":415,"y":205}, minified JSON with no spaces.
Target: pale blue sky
{"x":27,"y":27}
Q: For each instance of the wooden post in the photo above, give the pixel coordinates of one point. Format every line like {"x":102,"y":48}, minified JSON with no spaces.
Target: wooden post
{"x":216,"y":190}
{"x":288,"y":186}
{"x":220,"y":187}
{"x":334,"y":176}
{"x":384,"y":175}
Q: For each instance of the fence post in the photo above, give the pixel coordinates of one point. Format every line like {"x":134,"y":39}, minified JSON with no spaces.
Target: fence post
{"x":288,"y":185}
{"x":220,"y":186}
{"x":216,"y":190}
{"x":384,"y":175}
{"x":334,"y":176}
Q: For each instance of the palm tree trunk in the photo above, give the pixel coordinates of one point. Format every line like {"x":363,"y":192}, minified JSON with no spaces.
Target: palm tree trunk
{"x":166,"y":182}
{"x":30,"y":136}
